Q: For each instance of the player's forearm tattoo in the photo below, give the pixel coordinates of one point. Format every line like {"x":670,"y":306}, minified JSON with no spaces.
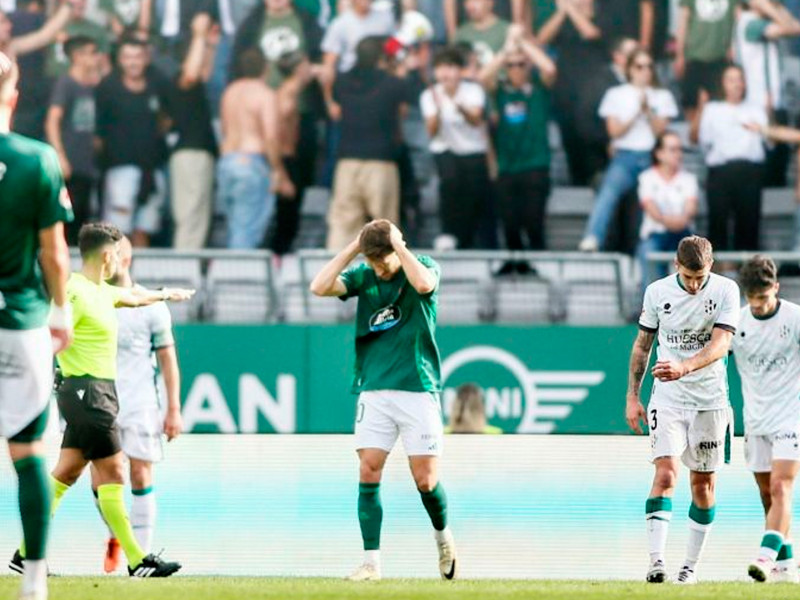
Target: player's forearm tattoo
{"x":640,"y":356}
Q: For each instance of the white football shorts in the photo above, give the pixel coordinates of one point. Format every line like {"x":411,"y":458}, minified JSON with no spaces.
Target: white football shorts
{"x":761,"y":450}
{"x":416,"y":417}
{"x":141,"y":434}
{"x":700,"y":437}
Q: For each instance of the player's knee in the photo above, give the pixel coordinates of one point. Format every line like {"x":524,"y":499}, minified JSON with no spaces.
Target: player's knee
{"x":665,"y":479}
{"x":703,"y":490}
{"x":425,"y":481}
{"x":370,"y":472}
{"x":141,"y":475}
{"x":779,"y":488}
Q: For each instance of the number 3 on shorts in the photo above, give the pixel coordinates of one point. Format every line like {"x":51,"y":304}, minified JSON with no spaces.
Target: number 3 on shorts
{"x":360,"y":412}
{"x":653,"y":419}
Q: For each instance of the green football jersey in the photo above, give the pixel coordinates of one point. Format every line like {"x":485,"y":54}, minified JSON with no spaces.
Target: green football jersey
{"x":32,"y":197}
{"x":395,"y":332}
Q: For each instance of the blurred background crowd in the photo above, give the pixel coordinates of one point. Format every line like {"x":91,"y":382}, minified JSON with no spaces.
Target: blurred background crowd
{"x":197,"y":123}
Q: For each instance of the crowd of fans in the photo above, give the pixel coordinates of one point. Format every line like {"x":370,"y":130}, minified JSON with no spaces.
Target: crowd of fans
{"x":162,"y":110}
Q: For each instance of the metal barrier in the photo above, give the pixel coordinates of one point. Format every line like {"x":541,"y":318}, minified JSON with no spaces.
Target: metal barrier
{"x":245,"y":286}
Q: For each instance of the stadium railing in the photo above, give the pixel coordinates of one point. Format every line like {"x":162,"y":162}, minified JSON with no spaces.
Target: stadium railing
{"x":236,"y":286}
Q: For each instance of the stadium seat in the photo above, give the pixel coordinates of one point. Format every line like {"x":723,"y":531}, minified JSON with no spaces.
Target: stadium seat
{"x":240,"y":290}
{"x":156,"y":269}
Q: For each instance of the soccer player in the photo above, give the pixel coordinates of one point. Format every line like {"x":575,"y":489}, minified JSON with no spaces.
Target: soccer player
{"x":34,"y":207}
{"x":397,"y":376}
{"x":86,"y":392}
{"x":767,"y":351}
{"x":694,"y":313}
{"x":143,"y":333}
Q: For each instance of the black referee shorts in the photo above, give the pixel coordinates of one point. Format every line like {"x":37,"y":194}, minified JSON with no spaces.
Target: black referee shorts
{"x":90,"y":407}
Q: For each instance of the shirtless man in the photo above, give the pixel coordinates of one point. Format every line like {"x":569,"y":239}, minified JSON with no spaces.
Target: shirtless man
{"x":251,"y":169}
{"x":35,"y":40}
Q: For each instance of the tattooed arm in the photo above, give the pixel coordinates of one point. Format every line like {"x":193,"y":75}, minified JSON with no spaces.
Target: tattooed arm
{"x":640,"y":357}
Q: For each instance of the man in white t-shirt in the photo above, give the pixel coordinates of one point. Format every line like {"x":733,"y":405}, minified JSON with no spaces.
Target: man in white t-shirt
{"x":454,"y":110}
{"x":767,"y":351}
{"x":364,"y":19}
{"x":694,"y":313}
{"x":147,"y":370}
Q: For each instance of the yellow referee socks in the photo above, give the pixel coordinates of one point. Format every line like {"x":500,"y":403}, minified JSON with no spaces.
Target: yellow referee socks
{"x":112,"y":505}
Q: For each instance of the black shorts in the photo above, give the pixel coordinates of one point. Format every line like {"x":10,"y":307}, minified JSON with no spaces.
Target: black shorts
{"x":701,"y":76}
{"x":90,"y":408}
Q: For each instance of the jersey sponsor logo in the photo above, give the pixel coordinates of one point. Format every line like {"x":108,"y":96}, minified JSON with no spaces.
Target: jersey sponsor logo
{"x":385,"y":318}
{"x":709,"y":445}
{"x":687,"y":340}
{"x":764,"y":364}
{"x":516,"y":397}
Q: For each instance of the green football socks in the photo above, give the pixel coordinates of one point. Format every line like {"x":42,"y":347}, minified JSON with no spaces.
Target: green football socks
{"x":370,"y":514}
{"x":771,"y":545}
{"x":58,"y":491}
{"x":435,"y":502}
{"x":35,"y":493}
{"x":700,"y":520}
{"x":112,"y":505}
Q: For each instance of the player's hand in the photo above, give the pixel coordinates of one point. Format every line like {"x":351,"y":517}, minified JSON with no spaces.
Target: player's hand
{"x":60,"y":324}
{"x":396,"y":237}
{"x":177,"y":294}
{"x":334,"y":111}
{"x":173,"y":424}
{"x":635,"y":414}
{"x":668,"y":370}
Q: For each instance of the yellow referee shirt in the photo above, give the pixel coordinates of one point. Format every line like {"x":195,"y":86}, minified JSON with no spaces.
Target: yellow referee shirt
{"x":94,"y":348}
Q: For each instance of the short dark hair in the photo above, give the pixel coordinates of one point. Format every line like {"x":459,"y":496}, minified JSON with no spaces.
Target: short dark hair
{"x":695,"y":253}
{"x":251,"y":64}
{"x":288,"y":62}
{"x":757,"y":274}
{"x":450,"y":56}
{"x":129,"y":39}
{"x":369,"y":52}
{"x":375,"y":239}
{"x":78,"y":42}
{"x":94,"y":236}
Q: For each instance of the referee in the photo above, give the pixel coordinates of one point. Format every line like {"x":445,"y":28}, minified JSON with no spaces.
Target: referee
{"x":86,"y":391}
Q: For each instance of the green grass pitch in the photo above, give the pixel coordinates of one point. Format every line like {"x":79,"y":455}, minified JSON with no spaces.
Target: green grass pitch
{"x":238,"y":588}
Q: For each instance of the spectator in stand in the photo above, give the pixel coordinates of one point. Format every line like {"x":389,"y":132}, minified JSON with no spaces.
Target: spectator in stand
{"x":468,"y":412}
{"x":484,"y":30}
{"x":297,"y":73}
{"x":635,"y":113}
{"x":454,"y":110}
{"x":735,"y":158}
{"x":341,"y":40}
{"x":79,"y":25}
{"x":366,"y":183}
{"x":533,"y":14}
{"x":171,"y":26}
{"x":251,"y":171}
{"x":456,"y":13}
{"x":24,"y":36}
{"x":129,"y":130}
{"x":280,"y":29}
{"x":521,"y":143}
{"x":70,"y":128}
{"x":668,"y":197}
{"x":127,"y":15}
{"x":761,"y":26}
{"x":572,"y":33}
{"x":191,"y":164}
{"x":702,"y":47}
{"x":626,"y":18}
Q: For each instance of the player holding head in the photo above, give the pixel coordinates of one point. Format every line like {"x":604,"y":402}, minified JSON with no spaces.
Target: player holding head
{"x":86,"y":393}
{"x":767,"y":351}
{"x":397,"y":376}
{"x":694,"y":313}
{"x":144,"y":334}
{"x":34,"y":208}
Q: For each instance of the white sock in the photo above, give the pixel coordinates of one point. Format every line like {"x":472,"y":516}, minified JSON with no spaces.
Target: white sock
{"x":372,"y":557}
{"x":34,"y":578}
{"x":143,"y":517}
{"x":97,"y":505}
{"x":698,"y":534}
{"x":657,"y":530}
{"x":445,"y":535}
